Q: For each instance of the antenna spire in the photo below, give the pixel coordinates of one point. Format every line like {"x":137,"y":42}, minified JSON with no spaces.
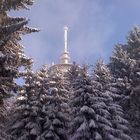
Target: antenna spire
{"x":65,"y":59}
{"x":65,"y":39}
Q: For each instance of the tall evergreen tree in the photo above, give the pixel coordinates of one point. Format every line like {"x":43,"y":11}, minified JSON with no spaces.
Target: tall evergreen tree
{"x":11,"y":52}
{"x":55,"y":109}
{"x":27,"y":118}
{"x":104,"y":78}
{"x":133,"y":49}
{"x":126,"y":68}
{"x":94,"y":115}
{"x":122,"y":68}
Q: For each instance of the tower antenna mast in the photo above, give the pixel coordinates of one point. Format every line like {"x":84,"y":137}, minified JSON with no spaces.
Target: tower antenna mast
{"x":65,"y":59}
{"x":65,"y":39}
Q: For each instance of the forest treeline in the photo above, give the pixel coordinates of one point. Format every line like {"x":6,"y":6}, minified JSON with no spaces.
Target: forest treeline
{"x":100,"y":104}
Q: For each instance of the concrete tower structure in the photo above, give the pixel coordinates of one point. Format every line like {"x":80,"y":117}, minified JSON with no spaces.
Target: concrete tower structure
{"x":65,"y":61}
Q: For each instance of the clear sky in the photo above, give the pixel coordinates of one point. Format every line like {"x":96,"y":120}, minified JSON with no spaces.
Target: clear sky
{"x":95,"y":26}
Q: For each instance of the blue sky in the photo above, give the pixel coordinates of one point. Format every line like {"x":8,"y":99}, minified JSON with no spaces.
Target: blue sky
{"x":95,"y":26}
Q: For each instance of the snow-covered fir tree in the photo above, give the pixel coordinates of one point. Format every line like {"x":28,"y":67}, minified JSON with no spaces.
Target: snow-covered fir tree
{"x":122,"y":67}
{"x":106,"y":83}
{"x":11,"y":52}
{"x":128,"y":80}
{"x":27,"y":118}
{"x":102,"y":75}
{"x":55,"y":109}
{"x":104,"y":80}
{"x":133,"y":43}
{"x":133,"y":48}
{"x":121,"y":64}
{"x":94,"y":115}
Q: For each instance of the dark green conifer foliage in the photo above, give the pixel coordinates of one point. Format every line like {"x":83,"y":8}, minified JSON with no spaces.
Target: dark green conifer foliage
{"x":122,"y":67}
{"x":121,"y":64}
{"x":27,"y":119}
{"x":126,"y":71}
{"x":94,"y":115}
{"x":12,"y":56}
{"x":133,"y":47}
{"x":11,"y":52}
{"x":55,"y":109}
{"x":107,"y":85}
{"x":133,"y":113}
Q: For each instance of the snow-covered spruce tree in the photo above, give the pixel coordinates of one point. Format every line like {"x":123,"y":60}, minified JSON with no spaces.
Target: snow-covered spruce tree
{"x":124,"y":64}
{"x":133,"y":112}
{"x":104,"y":80}
{"x":133,"y":41}
{"x":133,"y":49}
{"x":55,"y":109}
{"x":107,"y":85}
{"x":122,"y":67}
{"x":102,"y":76}
{"x":94,"y":115}
{"x":27,"y":118}
{"x":128,"y":67}
{"x":11,"y":52}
